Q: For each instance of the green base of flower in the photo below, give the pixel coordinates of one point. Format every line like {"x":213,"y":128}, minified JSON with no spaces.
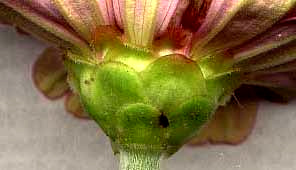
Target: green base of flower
{"x":160,"y":106}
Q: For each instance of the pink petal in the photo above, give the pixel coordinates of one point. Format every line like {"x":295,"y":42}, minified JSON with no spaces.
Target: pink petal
{"x":139,"y":21}
{"x":276,"y":80}
{"x":277,"y":36}
{"x":177,"y":17}
{"x":50,"y":24}
{"x":107,"y":11}
{"x":230,"y":23}
{"x":219,"y":14}
{"x":84,"y":16}
{"x":118,"y":6}
{"x":272,"y":58}
{"x":166,"y":10}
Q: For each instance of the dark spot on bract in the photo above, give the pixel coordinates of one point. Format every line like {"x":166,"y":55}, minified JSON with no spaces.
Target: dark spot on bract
{"x":163,"y":121}
{"x":86,"y":82}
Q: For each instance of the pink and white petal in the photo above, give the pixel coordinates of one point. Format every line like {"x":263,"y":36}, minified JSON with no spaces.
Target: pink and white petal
{"x":250,"y":19}
{"x":218,"y":15}
{"x":118,"y":6}
{"x":44,"y":22}
{"x":139,"y":21}
{"x":278,"y":35}
{"x":144,"y":19}
{"x":272,"y":58}
{"x":166,"y":10}
{"x":84,"y":16}
{"x":107,"y":11}
{"x":180,"y":10}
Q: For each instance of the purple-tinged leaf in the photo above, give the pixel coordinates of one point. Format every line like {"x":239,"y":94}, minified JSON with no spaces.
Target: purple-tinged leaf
{"x":73,"y":106}
{"x":50,"y":77}
{"x":49,"y":74}
{"x":232,"y":123}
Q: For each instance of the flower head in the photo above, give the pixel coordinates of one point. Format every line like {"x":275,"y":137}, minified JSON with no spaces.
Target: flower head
{"x":152,"y":72}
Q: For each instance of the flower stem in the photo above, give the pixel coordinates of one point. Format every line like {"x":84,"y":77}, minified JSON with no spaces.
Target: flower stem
{"x":139,"y":160}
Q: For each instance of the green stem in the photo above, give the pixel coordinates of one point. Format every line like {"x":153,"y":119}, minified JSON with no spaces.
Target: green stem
{"x":139,"y":160}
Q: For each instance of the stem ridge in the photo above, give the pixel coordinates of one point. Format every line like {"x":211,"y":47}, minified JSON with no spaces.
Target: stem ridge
{"x":139,"y":160}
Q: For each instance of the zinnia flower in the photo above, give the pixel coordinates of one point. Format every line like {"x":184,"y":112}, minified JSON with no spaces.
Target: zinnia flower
{"x":151,"y":73}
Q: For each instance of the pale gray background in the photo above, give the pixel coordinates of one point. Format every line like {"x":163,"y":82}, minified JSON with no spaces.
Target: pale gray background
{"x":37,"y":134}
